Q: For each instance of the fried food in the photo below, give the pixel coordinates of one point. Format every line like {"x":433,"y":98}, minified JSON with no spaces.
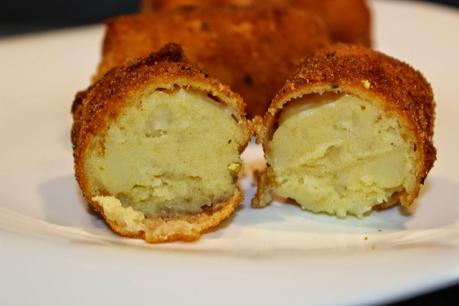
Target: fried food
{"x":351,"y":131}
{"x":347,"y":20}
{"x":242,"y":47}
{"x":157,"y":148}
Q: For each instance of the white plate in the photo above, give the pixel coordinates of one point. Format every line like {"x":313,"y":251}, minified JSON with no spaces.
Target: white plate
{"x":53,"y":252}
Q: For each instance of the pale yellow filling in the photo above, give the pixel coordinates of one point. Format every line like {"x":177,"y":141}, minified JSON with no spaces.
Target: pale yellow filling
{"x":340,"y":155}
{"x":132,"y":220}
{"x":167,"y":153}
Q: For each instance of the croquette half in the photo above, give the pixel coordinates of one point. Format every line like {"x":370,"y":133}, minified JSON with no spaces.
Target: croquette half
{"x":351,"y":131}
{"x":157,"y":147}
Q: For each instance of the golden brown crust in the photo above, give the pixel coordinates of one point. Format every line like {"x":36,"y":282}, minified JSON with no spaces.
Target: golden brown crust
{"x":245,"y":48}
{"x":183,"y":227}
{"x":347,"y":20}
{"x":102,"y":102}
{"x":372,"y":76}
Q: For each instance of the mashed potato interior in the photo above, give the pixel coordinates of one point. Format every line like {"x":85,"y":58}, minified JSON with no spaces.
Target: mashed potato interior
{"x":113,"y":210}
{"x":169,"y":152}
{"x":340,"y":155}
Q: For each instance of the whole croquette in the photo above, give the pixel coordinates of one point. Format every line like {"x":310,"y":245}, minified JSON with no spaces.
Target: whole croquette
{"x":252,"y":50}
{"x":348,"y":21}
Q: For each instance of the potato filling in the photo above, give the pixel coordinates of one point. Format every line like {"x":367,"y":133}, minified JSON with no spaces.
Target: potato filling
{"x":338,"y":154}
{"x":169,"y":152}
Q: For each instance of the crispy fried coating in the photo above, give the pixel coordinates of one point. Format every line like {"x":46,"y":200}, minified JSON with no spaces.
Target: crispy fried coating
{"x":347,"y":20}
{"x":107,"y":99}
{"x":245,"y":48}
{"x":400,"y":90}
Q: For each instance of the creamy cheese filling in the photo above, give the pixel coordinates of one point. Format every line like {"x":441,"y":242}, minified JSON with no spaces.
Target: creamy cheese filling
{"x":339,"y":154}
{"x":167,"y":153}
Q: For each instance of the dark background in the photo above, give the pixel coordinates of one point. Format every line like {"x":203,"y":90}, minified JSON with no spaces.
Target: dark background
{"x":26,"y":16}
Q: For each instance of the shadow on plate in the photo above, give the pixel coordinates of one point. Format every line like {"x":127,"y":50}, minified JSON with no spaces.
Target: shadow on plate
{"x":436,"y":207}
{"x":64,"y":140}
{"x":64,"y":205}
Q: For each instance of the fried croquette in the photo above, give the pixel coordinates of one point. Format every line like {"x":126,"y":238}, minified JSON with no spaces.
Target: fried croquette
{"x":350,"y":131}
{"x":348,"y":21}
{"x":246,"y":48}
{"x":157,"y":147}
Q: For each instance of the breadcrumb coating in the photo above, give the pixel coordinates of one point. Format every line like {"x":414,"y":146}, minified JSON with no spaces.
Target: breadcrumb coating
{"x":348,"y":21}
{"x":253,"y":50}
